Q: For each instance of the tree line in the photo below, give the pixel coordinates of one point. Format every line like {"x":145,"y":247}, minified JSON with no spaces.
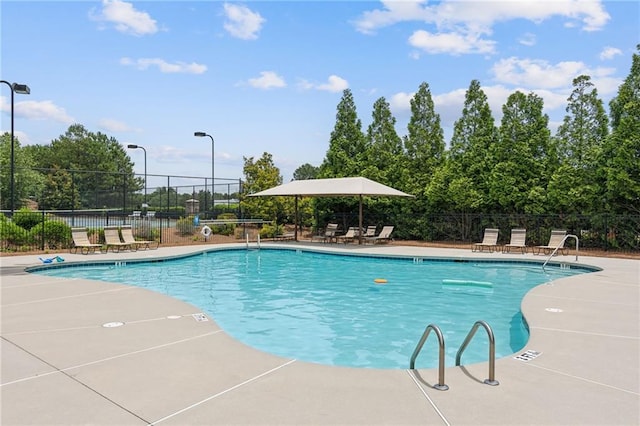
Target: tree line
{"x":591,"y":165}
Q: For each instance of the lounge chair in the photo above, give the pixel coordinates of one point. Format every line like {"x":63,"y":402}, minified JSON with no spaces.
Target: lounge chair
{"x":555,"y":241}
{"x":383,"y":236}
{"x":328,"y":235}
{"x":518,"y":241}
{"x":128,"y":238}
{"x":370,"y":231}
{"x":489,"y":241}
{"x":81,"y":242}
{"x":350,"y":235}
{"x":112,"y":240}
{"x":137,"y":214}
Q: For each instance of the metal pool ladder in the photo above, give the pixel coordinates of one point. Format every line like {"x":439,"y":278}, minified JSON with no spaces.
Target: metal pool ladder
{"x":440,"y":385}
{"x":492,"y":350}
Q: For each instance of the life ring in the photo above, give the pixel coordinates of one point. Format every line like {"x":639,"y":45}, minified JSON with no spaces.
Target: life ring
{"x":206,"y":232}
{"x":380,"y":281}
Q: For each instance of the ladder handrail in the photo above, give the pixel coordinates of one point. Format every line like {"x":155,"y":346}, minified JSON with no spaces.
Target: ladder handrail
{"x":561,"y":244}
{"x":492,"y":350}
{"x":440,"y":385}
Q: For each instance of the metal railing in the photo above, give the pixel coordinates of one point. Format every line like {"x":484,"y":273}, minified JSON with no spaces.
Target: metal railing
{"x":492,"y":350}
{"x":561,"y":244}
{"x":431,"y":327}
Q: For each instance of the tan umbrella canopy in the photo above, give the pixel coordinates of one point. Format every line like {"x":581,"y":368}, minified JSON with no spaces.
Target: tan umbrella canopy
{"x":335,"y":187}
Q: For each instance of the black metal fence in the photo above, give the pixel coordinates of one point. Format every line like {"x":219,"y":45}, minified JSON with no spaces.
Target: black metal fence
{"x":51,"y":230}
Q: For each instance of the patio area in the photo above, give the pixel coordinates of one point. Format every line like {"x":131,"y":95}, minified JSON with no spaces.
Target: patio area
{"x":66,"y":360}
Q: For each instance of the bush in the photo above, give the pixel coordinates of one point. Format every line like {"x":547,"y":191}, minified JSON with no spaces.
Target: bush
{"x":26,"y":218}
{"x":56,"y":234}
{"x":12,"y":234}
{"x":226,"y":229}
{"x":185,"y":226}
{"x":270,"y":231}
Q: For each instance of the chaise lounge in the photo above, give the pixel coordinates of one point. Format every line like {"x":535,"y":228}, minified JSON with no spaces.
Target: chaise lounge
{"x":489,"y":241}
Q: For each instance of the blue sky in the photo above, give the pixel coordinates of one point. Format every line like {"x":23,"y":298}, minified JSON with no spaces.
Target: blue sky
{"x":267,"y":76}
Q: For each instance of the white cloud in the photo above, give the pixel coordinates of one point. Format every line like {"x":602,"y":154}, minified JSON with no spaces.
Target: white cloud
{"x":527,"y":39}
{"x":242,"y":22}
{"x":267,"y":80}
{"x":112,"y":125}
{"x":452,"y":43}
{"x":462,"y":27}
{"x":164,"y":66}
{"x":401,"y":101}
{"x":37,"y":110}
{"x":334,"y":84}
{"x":126,"y":18}
{"x":537,"y":73}
{"x":480,"y":16}
{"x":609,"y":53}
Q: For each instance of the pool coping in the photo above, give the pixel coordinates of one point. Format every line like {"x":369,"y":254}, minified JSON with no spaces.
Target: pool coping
{"x":59,"y":365}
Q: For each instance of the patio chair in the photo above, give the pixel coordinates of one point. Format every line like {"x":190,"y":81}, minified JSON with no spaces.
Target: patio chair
{"x":555,"y":241}
{"x":489,"y":241}
{"x":113,"y":241}
{"x":128,"y":238}
{"x":518,"y":241}
{"x":370,"y":231}
{"x":81,"y":242}
{"x":350,"y":235}
{"x":328,"y":235}
{"x":383,"y":236}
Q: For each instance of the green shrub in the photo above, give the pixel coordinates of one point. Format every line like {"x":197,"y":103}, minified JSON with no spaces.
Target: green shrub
{"x":226,"y":229}
{"x":185,"y":226}
{"x":12,"y":234}
{"x":26,"y":218}
{"x":56,"y":234}
{"x":270,"y":231}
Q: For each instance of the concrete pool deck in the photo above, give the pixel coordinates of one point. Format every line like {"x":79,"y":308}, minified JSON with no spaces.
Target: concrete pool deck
{"x":61,"y":366}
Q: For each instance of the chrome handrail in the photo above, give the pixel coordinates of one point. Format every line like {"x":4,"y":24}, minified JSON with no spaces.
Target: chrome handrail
{"x":561,"y":244}
{"x":492,"y":350}
{"x":440,"y":385}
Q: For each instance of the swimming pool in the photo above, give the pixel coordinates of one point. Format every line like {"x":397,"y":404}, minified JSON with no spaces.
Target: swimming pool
{"x":326,"y":308}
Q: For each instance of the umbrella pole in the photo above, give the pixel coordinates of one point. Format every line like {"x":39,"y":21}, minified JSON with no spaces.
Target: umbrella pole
{"x":360,"y":222}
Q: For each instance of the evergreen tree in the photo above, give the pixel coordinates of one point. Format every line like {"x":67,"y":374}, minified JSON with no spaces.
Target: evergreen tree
{"x":347,"y":144}
{"x":621,"y":153}
{"x":573,"y":187}
{"x":27,"y":182}
{"x":384,"y":146}
{"x":518,"y":181}
{"x":260,"y":175}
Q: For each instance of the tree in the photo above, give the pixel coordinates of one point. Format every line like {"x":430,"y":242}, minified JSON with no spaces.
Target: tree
{"x":27,"y":183}
{"x":346,"y":144}
{"x":473,"y":135}
{"x":424,"y":143}
{"x":260,"y":175}
{"x":518,"y":180}
{"x":573,"y":187}
{"x":96,"y":163}
{"x":306,"y":171}
{"x":383,"y":146}
{"x":621,"y":152}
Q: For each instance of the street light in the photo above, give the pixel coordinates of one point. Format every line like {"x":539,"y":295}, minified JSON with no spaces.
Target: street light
{"x":201,"y":135}
{"x":133,"y":146}
{"x":23,"y":89}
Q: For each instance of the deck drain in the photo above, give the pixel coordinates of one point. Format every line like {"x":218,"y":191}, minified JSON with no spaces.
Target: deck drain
{"x":174,"y":317}
{"x":113,"y":324}
{"x":200,"y":317}
{"x":555,"y":310}
{"x":527,"y":355}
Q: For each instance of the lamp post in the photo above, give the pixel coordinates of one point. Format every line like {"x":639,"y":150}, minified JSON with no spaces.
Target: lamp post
{"x":201,"y":135}
{"x":133,"y":146}
{"x":23,"y":89}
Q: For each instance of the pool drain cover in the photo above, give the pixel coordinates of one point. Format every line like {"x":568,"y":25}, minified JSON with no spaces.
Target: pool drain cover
{"x":527,"y":356}
{"x":113,"y":324}
{"x":200,"y":317}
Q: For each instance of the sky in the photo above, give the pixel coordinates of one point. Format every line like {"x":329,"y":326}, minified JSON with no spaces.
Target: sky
{"x":267,"y":76}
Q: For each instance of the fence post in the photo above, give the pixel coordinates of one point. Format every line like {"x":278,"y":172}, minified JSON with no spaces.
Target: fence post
{"x":42,"y":235}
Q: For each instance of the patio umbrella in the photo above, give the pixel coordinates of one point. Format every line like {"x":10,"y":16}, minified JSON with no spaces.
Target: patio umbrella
{"x":335,"y":187}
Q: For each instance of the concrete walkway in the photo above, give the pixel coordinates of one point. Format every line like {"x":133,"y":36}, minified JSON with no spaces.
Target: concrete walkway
{"x":62,"y":366}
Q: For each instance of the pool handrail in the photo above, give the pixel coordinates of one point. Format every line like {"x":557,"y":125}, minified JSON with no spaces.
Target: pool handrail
{"x":561,"y":244}
{"x":492,"y":350}
{"x":440,"y":385}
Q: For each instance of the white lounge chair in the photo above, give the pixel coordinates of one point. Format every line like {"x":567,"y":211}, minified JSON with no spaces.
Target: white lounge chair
{"x":555,"y":241}
{"x":81,"y":242}
{"x":113,"y":241}
{"x":518,"y":241}
{"x":128,"y":238}
{"x":383,"y":236}
{"x":490,"y":241}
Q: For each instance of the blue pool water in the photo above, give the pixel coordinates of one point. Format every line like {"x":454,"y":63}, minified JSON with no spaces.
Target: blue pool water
{"x":327,"y":308}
